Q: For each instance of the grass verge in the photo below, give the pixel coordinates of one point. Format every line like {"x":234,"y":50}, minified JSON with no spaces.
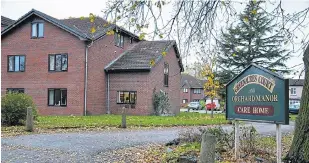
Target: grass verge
{"x":103,"y":121}
{"x":183,"y":119}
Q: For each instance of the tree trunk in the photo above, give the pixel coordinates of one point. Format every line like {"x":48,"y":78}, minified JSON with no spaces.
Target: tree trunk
{"x":299,"y":150}
{"x":212,"y":109}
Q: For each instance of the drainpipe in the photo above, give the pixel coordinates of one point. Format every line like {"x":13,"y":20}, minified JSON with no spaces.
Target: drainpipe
{"x":86,"y":80}
{"x":108,"y":109}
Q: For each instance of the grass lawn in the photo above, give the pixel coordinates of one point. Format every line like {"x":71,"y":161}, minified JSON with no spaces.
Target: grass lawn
{"x":183,"y":119}
{"x":47,"y":124}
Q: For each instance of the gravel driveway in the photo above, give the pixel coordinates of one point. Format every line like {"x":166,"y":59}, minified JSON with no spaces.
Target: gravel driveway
{"x":91,"y":146}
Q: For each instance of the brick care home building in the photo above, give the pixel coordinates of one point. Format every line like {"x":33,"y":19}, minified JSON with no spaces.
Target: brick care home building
{"x":67,"y":70}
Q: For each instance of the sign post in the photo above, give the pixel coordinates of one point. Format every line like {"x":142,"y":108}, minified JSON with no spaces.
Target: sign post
{"x":278,"y":138}
{"x":258,"y":95}
{"x":236,"y":139}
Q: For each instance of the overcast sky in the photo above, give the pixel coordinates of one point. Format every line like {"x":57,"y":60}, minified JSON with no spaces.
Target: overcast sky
{"x":14,"y":9}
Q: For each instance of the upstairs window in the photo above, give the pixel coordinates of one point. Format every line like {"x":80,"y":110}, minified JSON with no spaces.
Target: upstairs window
{"x":293,"y":91}
{"x":37,"y":30}
{"x":185,"y":90}
{"x":16,"y":63}
{"x":126,"y":97}
{"x":119,"y":40}
{"x":197,"y":91}
{"x":58,"y":62}
{"x":57,"y":97}
{"x":166,"y":74}
{"x":15,"y":90}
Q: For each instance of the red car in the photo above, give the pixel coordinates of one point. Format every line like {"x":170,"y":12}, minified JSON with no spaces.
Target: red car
{"x":209,"y":106}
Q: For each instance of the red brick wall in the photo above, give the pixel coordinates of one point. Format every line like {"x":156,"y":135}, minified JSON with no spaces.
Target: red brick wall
{"x":157,"y":77}
{"x":100,"y":54}
{"x":36,"y":79}
{"x":144,"y":83}
{"x":132,"y":81}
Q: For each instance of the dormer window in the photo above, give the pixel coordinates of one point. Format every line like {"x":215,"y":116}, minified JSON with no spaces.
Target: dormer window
{"x":37,"y":30}
{"x":119,"y":40}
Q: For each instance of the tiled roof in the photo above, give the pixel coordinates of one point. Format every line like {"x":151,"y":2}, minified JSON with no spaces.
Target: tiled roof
{"x":191,"y":81}
{"x":6,"y":21}
{"x":139,"y":56}
{"x":75,"y":26}
{"x":84,"y":25}
{"x":296,"y":82}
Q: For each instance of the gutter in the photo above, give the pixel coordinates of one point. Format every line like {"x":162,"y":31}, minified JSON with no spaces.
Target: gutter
{"x":108,"y":107}
{"x":86,"y":79}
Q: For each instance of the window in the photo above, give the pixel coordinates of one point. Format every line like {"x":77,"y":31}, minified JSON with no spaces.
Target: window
{"x":196,"y":100}
{"x":37,"y":30}
{"x":126,"y":97}
{"x":185,"y":90}
{"x":15,"y":90}
{"x":184,"y":101}
{"x":119,"y":40}
{"x":166,"y":74}
{"x":57,"y":97}
{"x":16,"y":63}
{"x":293,"y":91}
{"x":58,"y":62}
{"x":197,"y":91}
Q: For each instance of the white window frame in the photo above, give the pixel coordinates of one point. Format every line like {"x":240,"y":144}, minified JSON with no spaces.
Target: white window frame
{"x":293,"y":91}
{"x":37,"y":30}
{"x":184,"y":101}
{"x":185,"y":90}
{"x":197,"y":91}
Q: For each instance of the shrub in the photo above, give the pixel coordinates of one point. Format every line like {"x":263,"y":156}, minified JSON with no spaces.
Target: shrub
{"x":14,"y":108}
{"x":160,"y":103}
{"x":202,"y":103}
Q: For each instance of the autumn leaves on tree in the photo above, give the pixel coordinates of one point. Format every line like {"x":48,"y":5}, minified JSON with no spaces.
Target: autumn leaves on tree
{"x":212,"y":85}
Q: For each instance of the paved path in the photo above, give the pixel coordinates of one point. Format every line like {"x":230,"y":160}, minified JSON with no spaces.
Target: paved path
{"x":86,"y":146}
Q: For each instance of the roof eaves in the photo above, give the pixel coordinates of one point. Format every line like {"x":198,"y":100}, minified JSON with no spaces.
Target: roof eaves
{"x":179,"y":57}
{"x":107,"y":67}
{"x":47,"y":18}
{"x":144,"y":69}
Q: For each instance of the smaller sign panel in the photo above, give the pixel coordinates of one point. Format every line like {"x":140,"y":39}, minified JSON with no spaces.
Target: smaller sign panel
{"x":257,"y":94}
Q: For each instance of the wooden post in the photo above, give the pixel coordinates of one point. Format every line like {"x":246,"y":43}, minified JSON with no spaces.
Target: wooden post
{"x":236,"y":139}
{"x":29,"y":120}
{"x":278,"y":136}
{"x":208,"y":148}
{"x":123,"y":120}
